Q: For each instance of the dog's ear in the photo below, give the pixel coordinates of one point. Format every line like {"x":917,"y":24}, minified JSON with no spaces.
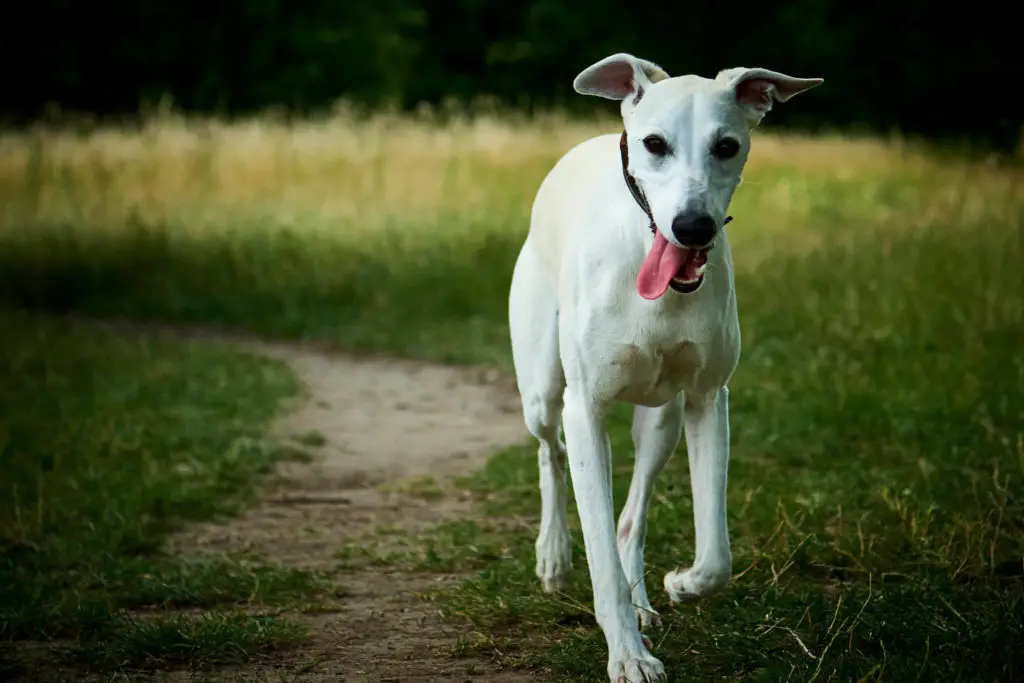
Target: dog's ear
{"x":756,"y":89}
{"x":618,"y":77}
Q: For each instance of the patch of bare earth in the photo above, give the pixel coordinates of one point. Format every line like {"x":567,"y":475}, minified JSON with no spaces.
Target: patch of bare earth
{"x":383,"y":423}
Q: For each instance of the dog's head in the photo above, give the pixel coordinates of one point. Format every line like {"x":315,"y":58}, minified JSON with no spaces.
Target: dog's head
{"x":688,"y":139}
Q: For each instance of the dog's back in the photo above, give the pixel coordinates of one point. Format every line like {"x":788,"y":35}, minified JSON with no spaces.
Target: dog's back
{"x":566,"y":198}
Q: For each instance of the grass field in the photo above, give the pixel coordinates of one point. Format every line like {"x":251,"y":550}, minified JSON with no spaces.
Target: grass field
{"x":107,"y":444}
{"x":878,"y":411}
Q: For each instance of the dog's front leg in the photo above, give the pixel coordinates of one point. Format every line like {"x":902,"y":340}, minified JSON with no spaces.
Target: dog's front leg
{"x":656,"y":434}
{"x":706,"y":423}
{"x":590,"y":465}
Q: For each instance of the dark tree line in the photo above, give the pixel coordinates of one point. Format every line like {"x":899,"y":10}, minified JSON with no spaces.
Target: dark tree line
{"x":900,"y":64}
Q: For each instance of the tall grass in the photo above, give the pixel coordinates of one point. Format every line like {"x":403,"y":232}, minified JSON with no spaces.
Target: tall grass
{"x":386,"y":232}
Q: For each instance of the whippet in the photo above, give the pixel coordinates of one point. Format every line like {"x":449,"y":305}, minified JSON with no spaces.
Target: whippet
{"x":623,"y":291}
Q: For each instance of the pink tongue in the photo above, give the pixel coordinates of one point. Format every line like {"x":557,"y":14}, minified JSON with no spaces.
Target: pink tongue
{"x":661,"y":265}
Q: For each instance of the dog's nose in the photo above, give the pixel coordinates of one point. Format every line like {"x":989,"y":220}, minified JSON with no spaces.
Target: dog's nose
{"x":693,"y":229}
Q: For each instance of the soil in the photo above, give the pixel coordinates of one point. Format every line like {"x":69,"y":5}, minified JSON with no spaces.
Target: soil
{"x":376,"y":425}
{"x":384,"y":423}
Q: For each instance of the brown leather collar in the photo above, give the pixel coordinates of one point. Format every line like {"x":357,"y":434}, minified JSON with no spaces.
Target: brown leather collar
{"x":634,"y":187}
{"x":631,"y":183}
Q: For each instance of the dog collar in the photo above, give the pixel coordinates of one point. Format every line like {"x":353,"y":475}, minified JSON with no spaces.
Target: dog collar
{"x":634,"y":187}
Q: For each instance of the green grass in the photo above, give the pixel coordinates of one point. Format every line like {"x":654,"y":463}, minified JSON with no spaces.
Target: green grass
{"x":877,"y":415}
{"x":200,"y":640}
{"x":280,"y":282}
{"x":107,"y":443}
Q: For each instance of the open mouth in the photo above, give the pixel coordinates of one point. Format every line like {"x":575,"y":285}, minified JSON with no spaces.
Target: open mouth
{"x":668,"y":265}
{"x":691,"y":274}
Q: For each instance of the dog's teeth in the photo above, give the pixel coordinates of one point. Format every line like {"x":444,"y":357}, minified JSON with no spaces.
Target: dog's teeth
{"x":700,"y":271}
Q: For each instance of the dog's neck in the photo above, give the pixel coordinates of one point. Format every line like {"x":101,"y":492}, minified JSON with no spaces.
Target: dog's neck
{"x":634,"y":187}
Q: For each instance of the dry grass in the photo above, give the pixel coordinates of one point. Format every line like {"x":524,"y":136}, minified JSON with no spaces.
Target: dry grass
{"x":365,"y":173}
{"x":361,"y":171}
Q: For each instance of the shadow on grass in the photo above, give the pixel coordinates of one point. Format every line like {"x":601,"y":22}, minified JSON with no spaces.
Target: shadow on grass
{"x":425,"y":291}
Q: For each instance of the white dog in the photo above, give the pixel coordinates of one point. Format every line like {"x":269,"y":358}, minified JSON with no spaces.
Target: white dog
{"x":592,"y":322}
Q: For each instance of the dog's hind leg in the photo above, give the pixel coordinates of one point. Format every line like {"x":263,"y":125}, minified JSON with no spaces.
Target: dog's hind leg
{"x":656,"y":435}
{"x":533,"y":323}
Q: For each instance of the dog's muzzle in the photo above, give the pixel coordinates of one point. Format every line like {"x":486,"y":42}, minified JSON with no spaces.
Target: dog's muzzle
{"x":694,"y":230}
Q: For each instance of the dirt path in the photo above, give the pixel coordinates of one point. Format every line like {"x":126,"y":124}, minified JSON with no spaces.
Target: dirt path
{"x":382,"y":422}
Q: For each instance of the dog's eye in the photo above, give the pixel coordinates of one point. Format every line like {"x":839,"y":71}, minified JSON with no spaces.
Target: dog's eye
{"x":656,"y":145}
{"x":726,"y":148}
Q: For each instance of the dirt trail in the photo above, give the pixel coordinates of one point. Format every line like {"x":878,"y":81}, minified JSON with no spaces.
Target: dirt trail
{"x":383,"y":421}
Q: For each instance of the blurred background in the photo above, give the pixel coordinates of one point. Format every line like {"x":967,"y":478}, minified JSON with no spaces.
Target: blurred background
{"x":905,"y":65}
{"x":359,"y":176}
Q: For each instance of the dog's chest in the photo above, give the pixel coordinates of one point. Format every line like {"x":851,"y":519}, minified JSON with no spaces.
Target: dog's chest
{"x":646,"y":353}
{"x":646,"y":362}
{"x":651,"y":375}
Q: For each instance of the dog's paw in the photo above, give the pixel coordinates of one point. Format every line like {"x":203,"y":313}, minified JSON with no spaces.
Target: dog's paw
{"x":554,"y":560}
{"x":644,"y":668}
{"x":691,"y":584}
{"x":647,"y":617}
{"x":551,"y":582}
